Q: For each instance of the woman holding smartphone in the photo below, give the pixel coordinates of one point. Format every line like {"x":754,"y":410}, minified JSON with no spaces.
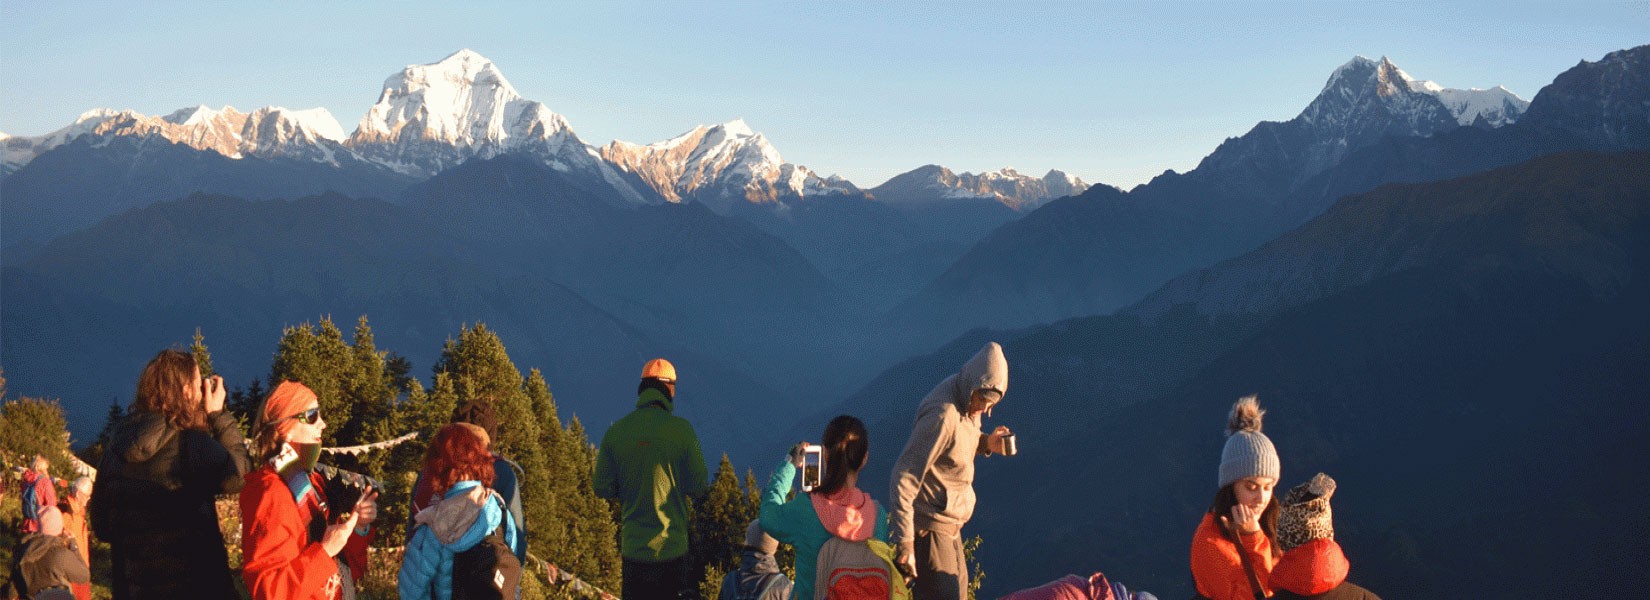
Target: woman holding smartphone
{"x":163,"y":467}
{"x":834,"y":508}
{"x":293,"y":545}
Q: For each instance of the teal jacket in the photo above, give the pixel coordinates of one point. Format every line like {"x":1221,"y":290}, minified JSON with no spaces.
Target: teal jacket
{"x":455,"y":524}
{"x":650,"y":462}
{"x":797,"y":524}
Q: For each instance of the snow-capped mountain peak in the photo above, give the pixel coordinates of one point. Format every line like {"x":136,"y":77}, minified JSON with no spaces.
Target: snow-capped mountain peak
{"x":1006,"y":186}
{"x":18,"y":151}
{"x":429,"y":117}
{"x":1493,"y":107}
{"x":314,"y":123}
{"x":719,"y":165}
{"x":196,"y":115}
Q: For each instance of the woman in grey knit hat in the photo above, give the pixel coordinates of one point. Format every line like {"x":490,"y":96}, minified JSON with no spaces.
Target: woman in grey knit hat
{"x":1235,"y":547}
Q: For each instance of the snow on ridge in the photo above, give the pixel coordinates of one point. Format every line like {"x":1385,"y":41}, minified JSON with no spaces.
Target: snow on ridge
{"x":318,"y":121}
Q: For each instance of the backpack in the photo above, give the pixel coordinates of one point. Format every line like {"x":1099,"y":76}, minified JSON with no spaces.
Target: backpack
{"x":506,"y":483}
{"x":31,"y":502}
{"x":488,"y":569}
{"x":858,"y":571}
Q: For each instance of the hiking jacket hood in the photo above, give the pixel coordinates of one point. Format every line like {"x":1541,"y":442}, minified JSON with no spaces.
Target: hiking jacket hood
{"x":1312,"y":568}
{"x":467,"y":513}
{"x":48,"y":561}
{"x":754,"y":568}
{"x":933,"y":480}
{"x":650,"y":462}
{"x":796,"y":522}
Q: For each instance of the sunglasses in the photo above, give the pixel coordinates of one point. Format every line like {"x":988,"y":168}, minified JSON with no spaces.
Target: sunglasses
{"x":309,"y":417}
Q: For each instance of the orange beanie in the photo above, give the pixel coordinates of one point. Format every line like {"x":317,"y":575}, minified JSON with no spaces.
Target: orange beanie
{"x":288,"y":399}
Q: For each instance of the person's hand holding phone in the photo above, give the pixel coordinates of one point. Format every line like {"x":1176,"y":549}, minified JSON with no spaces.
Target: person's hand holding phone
{"x":797,"y":452}
{"x":212,"y":393}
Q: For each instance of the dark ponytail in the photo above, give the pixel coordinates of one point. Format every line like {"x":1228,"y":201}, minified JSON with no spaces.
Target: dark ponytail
{"x":846,"y":445}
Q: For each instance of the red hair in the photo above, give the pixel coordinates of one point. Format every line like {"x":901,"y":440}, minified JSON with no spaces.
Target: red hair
{"x":457,"y":454}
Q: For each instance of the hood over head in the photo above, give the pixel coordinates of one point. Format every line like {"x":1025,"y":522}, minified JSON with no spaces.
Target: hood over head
{"x":988,"y":369}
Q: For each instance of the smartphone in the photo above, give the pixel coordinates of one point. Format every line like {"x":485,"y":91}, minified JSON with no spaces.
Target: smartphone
{"x":813,"y":467}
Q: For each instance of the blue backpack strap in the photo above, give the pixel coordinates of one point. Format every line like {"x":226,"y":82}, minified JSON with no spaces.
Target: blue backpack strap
{"x":512,"y":504}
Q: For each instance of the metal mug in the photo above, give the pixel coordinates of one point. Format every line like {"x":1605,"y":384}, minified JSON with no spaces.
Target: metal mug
{"x":1010,"y":448}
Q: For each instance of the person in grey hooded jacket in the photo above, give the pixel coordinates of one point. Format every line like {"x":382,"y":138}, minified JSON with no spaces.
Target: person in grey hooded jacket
{"x":758,"y":576}
{"x":933,"y":480}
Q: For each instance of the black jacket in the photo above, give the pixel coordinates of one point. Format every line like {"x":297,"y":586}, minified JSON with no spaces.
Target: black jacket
{"x":1344,"y":591}
{"x":154,"y":504}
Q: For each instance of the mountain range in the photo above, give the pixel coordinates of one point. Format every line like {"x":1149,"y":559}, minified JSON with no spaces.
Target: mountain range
{"x":1371,"y":125}
{"x":1438,"y":348}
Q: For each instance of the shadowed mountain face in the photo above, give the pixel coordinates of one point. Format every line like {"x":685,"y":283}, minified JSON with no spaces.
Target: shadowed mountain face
{"x":1464,"y":357}
{"x":1068,"y":259}
{"x":571,"y":282}
{"x":79,"y":184}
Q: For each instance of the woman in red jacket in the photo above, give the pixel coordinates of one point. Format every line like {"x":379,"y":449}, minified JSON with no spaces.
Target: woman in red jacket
{"x":292,"y":546}
{"x":1234,"y":548}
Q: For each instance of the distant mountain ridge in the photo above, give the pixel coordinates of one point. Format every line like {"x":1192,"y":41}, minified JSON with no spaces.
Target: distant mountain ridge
{"x":1007,"y":186}
{"x":1371,"y":125}
{"x":719,"y":166}
{"x":1427,"y":344}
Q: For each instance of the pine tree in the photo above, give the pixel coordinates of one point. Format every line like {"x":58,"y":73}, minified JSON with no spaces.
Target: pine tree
{"x":320,"y":359}
{"x":717,"y":522}
{"x":245,"y":403}
{"x":478,"y":368}
{"x":93,"y":454}
{"x":369,"y":389}
{"x":203,"y":357}
{"x":592,"y":535}
{"x":30,"y":426}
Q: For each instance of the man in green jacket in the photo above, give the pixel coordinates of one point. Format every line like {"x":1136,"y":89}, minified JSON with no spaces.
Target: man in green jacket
{"x":650,"y":462}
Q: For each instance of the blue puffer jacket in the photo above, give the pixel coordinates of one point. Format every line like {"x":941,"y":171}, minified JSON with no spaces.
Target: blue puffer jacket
{"x":466,"y":514}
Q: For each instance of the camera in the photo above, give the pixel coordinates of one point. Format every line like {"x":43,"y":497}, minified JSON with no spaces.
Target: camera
{"x":813,"y":467}
{"x":343,"y":489}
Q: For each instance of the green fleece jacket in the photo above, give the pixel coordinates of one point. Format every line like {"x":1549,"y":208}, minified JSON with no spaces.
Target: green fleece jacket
{"x":650,"y":462}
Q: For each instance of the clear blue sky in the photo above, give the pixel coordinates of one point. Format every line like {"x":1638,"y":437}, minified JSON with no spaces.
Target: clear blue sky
{"x":1114,"y":93}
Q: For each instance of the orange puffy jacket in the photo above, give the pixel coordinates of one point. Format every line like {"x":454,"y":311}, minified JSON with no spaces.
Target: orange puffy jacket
{"x":1311,"y":568}
{"x":1216,"y":567}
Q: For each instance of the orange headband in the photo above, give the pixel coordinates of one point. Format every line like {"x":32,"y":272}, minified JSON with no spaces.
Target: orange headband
{"x":288,"y":399}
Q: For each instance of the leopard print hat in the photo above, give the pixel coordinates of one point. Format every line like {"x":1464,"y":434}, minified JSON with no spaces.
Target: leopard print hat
{"x":1306,"y":516}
